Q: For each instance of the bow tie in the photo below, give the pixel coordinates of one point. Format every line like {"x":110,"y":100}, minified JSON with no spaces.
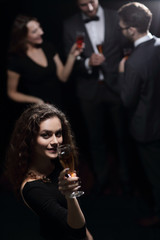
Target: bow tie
{"x":87,"y":20}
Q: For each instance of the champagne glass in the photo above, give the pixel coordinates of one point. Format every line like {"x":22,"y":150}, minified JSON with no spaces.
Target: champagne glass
{"x":66,"y":159}
{"x":100,"y":48}
{"x":127,"y":52}
{"x":79,"y":41}
{"x":100,"y":51}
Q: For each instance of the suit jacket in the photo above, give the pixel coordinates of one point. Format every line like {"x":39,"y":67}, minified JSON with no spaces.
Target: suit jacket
{"x":140,"y":90}
{"x":112,"y":50}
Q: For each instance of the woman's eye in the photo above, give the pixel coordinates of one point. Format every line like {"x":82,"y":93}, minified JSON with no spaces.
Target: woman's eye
{"x":45,"y":135}
{"x":59,"y":133}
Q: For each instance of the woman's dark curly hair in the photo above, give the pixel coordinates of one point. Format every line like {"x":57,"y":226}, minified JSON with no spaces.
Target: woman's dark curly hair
{"x":23,"y":137}
{"x":19,"y":33}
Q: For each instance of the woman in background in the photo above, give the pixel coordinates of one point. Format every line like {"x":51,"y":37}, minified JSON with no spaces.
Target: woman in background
{"x":34,"y":67}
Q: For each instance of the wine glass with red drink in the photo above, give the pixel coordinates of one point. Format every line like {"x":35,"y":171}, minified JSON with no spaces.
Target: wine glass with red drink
{"x":80,"y":41}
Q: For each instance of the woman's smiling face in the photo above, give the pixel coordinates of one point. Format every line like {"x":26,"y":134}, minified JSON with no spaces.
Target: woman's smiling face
{"x":49,"y":138}
{"x":35,"y":33}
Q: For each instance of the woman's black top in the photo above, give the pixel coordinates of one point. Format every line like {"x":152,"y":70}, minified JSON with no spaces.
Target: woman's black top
{"x":50,"y":205}
{"x":35,"y":79}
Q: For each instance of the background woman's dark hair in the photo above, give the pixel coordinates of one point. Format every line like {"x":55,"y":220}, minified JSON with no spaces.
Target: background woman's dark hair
{"x":23,"y":137}
{"x":19,"y":33}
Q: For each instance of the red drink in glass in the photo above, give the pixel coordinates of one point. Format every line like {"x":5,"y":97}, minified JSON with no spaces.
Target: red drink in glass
{"x":80,"y":39}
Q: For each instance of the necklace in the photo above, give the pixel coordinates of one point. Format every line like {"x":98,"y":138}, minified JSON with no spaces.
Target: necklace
{"x":33,"y":174}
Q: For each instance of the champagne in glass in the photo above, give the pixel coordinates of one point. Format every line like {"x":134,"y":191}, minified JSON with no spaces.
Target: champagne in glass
{"x":66,"y":159}
{"x":100,"y":51}
{"x":100,"y":48}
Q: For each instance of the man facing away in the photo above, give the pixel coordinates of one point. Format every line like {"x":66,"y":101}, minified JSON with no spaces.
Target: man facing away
{"x":96,"y":83}
{"x":140,"y":93}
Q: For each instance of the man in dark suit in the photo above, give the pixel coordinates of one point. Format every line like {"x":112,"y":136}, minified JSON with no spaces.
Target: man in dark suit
{"x":140,"y":93}
{"x":96,"y":83}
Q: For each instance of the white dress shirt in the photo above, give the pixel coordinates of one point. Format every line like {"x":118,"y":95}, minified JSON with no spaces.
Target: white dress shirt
{"x":95,"y":30}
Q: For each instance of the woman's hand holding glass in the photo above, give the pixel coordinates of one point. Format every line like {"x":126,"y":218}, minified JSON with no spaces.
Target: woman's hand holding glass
{"x":78,"y":47}
{"x":68,"y":184}
{"x":76,"y":51}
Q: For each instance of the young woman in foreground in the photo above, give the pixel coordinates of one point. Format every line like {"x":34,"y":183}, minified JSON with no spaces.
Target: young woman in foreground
{"x":37,"y":176}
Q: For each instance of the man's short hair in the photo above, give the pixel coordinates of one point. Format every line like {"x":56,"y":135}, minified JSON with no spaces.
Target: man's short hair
{"x":136,"y":15}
